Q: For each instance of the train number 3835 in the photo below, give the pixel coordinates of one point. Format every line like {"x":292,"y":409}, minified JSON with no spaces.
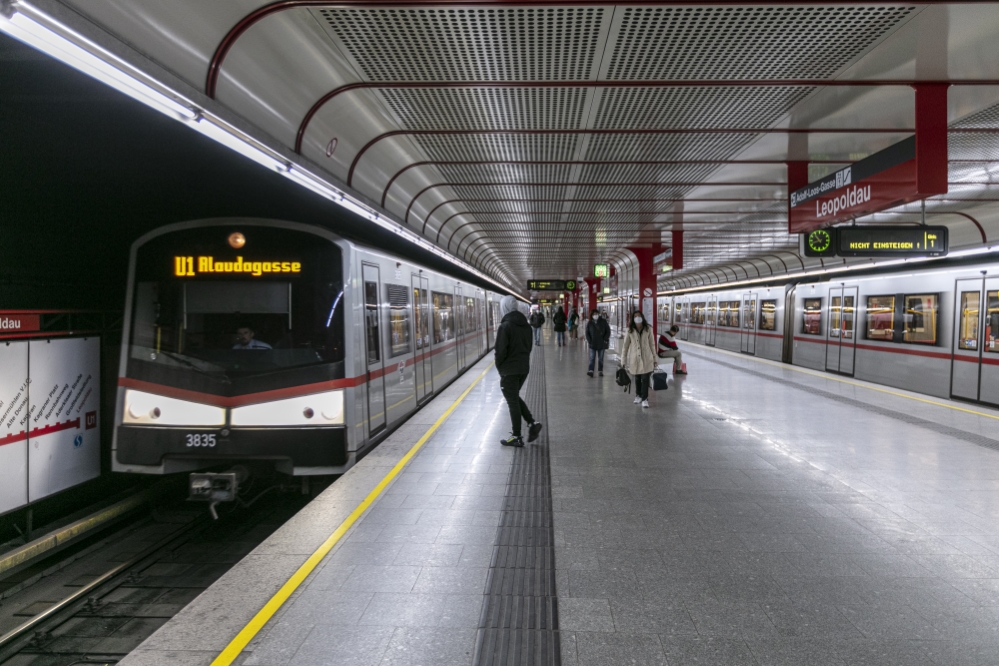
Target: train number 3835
{"x":201,"y":440}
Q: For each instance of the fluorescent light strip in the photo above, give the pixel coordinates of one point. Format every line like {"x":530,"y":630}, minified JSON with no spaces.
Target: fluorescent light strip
{"x":829,"y":271}
{"x":29,"y":25}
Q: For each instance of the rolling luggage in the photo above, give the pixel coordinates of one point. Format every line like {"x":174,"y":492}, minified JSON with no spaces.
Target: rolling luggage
{"x":660,"y":380}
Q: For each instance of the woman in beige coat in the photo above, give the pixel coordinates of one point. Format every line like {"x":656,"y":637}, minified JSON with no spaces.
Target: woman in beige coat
{"x":639,"y":356}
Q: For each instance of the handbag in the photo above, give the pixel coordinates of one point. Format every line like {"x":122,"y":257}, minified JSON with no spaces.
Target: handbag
{"x":660,"y":380}
{"x":623,"y":379}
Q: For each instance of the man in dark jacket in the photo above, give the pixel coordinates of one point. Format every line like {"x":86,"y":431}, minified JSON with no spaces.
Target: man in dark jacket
{"x":598,"y":338}
{"x":559,"y":320}
{"x":513,"y":361}
{"x":537,"y":320}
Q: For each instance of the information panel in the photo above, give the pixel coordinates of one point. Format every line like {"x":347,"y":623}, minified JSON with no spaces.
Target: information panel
{"x":551,"y":285}
{"x":601,"y":270}
{"x":891,"y":241}
{"x":13,"y":431}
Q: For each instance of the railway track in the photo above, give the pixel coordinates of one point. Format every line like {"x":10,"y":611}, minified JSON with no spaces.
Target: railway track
{"x":115,"y":593}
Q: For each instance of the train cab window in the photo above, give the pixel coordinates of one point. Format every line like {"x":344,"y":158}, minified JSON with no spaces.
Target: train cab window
{"x":992,"y":322}
{"x":398,"y":300}
{"x":371,"y":321}
{"x":919,"y":318}
{"x":266,"y":316}
{"x":443,"y":317}
{"x":768,"y":315}
{"x":880,"y":317}
{"x":811,"y":323}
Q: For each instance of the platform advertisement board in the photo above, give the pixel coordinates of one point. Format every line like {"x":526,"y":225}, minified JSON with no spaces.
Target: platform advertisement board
{"x":64,"y":440}
{"x":13,"y":428}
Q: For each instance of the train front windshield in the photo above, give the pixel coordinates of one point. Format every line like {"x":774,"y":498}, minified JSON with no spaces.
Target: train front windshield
{"x":230,"y":311}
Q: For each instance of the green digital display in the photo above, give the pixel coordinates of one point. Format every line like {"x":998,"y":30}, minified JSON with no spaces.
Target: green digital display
{"x":551,"y":285}
{"x":601,"y":270}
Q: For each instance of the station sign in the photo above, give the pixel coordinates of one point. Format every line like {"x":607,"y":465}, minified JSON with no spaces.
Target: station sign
{"x":892,"y":241}
{"x":19,"y":322}
{"x":886,"y":179}
{"x":551,"y":285}
{"x":601,"y":270}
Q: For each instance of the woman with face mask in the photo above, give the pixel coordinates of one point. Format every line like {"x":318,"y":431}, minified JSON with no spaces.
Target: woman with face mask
{"x":639,"y":356}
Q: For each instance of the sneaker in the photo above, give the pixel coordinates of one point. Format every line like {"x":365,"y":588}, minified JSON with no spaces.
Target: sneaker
{"x":513,"y":440}
{"x":601,"y":373}
{"x":679,"y":372}
{"x":645,"y":403}
{"x":637,"y":400}
{"x":533,"y":431}
{"x":589,"y":373}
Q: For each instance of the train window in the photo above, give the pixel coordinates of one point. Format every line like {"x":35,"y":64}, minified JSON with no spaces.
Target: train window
{"x":711,"y":314}
{"x":748,"y":320}
{"x":443,"y":317}
{"x":398,"y":299}
{"x":880,"y":317}
{"x":371,"y":321}
{"x":970,"y":310}
{"x":920,"y":318}
{"x":992,"y":322}
{"x":733,"y":314}
{"x":848,"y":313}
{"x":811,"y":323}
{"x":768,"y":315}
{"x":422,"y":318}
{"x":835,"y":316}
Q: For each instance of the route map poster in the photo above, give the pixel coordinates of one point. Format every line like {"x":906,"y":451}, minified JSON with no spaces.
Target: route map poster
{"x":50,"y":429}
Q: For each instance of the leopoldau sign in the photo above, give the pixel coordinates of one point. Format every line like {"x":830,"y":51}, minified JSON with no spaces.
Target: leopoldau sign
{"x":884,"y":180}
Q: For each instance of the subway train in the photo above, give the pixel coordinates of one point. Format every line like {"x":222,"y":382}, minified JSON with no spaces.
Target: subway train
{"x":259,"y":340}
{"x":930,"y":330}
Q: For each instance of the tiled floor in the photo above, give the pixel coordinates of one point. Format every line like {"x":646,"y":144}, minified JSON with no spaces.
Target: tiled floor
{"x":742,"y":520}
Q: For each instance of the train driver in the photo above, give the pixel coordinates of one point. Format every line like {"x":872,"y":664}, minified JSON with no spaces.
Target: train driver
{"x":244,"y":340}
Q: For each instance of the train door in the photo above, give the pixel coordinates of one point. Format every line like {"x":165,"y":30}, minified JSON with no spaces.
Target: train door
{"x":373,"y":347}
{"x":480,"y":322}
{"x":747,"y":344}
{"x":685,"y":328}
{"x":421,"y":320}
{"x":975,"y":372}
{"x":841,"y":342}
{"x":489,"y":321}
{"x":787,"y":350}
{"x":459,"y":328}
{"x":710,"y":321}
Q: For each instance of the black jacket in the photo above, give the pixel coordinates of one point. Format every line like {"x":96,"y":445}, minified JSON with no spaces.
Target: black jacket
{"x":598,"y":334}
{"x":513,"y":345}
{"x":559,"y":320}
{"x":537,"y":319}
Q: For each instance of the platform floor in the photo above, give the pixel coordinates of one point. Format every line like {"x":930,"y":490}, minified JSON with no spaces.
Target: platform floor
{"x":755,"y":514}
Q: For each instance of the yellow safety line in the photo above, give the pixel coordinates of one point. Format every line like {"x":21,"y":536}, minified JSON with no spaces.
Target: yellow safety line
{"x":819,"y":375}
{"x":236,"y":646}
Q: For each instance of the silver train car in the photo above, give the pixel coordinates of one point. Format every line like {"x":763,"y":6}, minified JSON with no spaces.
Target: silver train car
{"x":931,"y":330}
{"x":260,"y":340}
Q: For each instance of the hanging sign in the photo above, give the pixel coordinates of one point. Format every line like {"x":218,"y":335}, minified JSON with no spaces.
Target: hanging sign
{"x":551,"y":285}
{"x":884,"y":180}
{"x":19,"y":322}
{"x":601,"y":270}
{"x":891,"y":241}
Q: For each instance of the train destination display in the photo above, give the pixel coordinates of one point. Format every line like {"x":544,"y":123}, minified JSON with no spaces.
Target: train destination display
{"x":886,"y":179}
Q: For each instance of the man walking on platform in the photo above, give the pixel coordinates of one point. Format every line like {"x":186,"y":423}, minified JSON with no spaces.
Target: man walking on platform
{"x":537,"y":321}
{"x":513,"y":362}
{"x":598,"y":335}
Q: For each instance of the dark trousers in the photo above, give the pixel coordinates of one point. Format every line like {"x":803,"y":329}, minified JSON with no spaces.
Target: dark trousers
{"x":511,"y":385}
{"x":594,"y":355}
{"x":642,"y":385}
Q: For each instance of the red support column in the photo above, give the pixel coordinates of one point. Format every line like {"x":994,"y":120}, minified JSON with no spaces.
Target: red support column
{"x":931,"y":138}
{"x":797,"y":178}
{"x":647,"y":283}
{"x":677,"y":258}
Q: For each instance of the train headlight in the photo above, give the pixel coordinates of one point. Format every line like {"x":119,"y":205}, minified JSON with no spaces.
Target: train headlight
{"x":150,"y":409}
{"x":317,"y":409}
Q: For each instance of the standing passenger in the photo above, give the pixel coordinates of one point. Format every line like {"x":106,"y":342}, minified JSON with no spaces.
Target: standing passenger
{"x":559,"y":320}
{"x":598,"y":337}
{"x":513,"y":362}
{"x":638,"y":356}
{"x":537,"y":321}
{"x":574,"y":325}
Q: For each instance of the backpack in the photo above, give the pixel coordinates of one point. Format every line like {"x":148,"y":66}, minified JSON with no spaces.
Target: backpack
{"x":623,"y":379}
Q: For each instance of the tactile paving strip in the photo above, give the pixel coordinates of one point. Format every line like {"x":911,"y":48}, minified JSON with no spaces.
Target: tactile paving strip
{"x":519,"y":621}
{"x":938,"y":428}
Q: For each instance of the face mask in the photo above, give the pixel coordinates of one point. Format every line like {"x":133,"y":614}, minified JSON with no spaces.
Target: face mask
{"x":594,"y":317}
{"x":638,"y":320}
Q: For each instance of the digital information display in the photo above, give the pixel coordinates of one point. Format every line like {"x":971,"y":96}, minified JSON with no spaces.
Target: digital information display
{"x":551,"y":285}
{"x":891,"y":241}
{"x":601,"y":270}
{"x":191,"y":266}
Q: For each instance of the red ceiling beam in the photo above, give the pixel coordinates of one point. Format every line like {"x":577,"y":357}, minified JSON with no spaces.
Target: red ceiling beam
{"x":676,"y":83}
{"x":640,"y":132}
{"x":260,"y":13}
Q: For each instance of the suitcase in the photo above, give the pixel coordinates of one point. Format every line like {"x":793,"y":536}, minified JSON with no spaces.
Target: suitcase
{"x":660,"y":380}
